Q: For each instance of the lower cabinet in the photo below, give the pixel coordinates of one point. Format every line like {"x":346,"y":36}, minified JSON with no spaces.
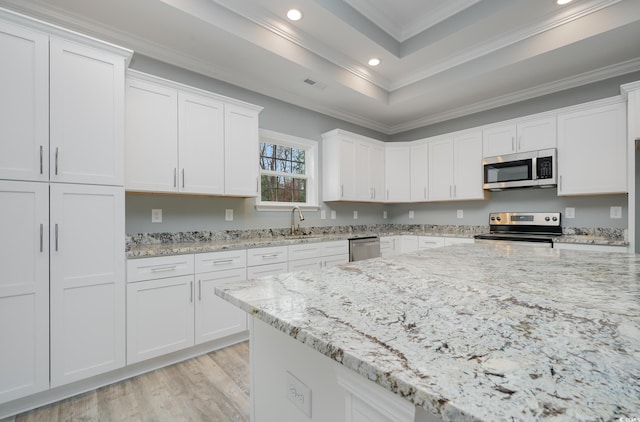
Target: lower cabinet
{"x":315,"y":256}
{"x":267,"y":261}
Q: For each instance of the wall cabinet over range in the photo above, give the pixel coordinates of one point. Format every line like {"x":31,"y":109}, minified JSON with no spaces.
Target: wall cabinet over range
{"x":521,"y":136}
{"x":199,"y":142}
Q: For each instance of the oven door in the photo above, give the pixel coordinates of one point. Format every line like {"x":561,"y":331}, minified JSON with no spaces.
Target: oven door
{"x":513,"y":242}
{"x":509,"y":172}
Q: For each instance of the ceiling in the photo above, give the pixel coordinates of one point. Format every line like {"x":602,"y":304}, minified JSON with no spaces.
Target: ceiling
{"x":440,"y":59}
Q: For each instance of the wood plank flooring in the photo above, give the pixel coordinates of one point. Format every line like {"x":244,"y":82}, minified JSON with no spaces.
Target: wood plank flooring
{"x":211,"y":387}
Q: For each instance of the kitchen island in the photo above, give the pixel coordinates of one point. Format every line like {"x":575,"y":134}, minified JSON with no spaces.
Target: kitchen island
{"x":466,"y":332}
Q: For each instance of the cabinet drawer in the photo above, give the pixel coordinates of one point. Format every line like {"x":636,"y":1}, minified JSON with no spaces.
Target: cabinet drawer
{"x":264,"y":270}
{"x":304,"y":251}
{"x":217,"y":261}
{"x":309,"y":264}
{"x":448,"y":241}
{"x":271,"y":255}
{"x":426,"y":242}
{"x":333,"y":260}
{"x":159,"y":267}
{"x":337,"y":247}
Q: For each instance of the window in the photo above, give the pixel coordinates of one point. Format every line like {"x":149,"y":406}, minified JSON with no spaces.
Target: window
{"x":288,"y":171}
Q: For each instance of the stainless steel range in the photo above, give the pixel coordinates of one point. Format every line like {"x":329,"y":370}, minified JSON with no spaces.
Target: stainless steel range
{"x":526,"y":228}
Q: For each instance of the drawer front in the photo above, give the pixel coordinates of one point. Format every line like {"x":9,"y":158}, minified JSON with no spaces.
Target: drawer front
{"x":159,"y":267}
{"x":265,"y":270}
{"x":271,"y":255}
{"x":218,"y":261}
{"x":337,"y":247}
{"x":333,"y":260}
{"x":427,"y":242}
{"x":304,"y":251}
{"x":309,"y":264}
{"x":456,"y":240}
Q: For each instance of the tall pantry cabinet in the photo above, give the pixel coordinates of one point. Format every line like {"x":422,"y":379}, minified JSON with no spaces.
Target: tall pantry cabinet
{"x":62,"y":215}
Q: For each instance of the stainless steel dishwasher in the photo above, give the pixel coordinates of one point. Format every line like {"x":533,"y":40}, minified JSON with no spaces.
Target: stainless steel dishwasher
{"x":364,"y":248}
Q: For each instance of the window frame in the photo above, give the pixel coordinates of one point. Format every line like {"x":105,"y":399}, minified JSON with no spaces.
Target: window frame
{"x":311,"y":171}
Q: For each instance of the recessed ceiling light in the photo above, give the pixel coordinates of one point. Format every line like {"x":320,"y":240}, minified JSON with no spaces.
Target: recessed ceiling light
{"x":374,"y":62}
{"x":294,"y":15}
{"x":561,"y":2}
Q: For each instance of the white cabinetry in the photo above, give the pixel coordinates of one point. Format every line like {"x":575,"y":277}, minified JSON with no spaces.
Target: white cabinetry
{"x":389,"y":246}
{"x":419,"y":178}
{"x":266,"y":261}
{"x":315,"y":256}
{"x":592,"y":150}
{"x":159,"y":306}
{"x":353,"y":167}
{"x":455,"y":166}
{"x":24,"y":289}
{"x":397,"y":172}
{"x":87,"y":281}
{"x":520,"y":136}
{"x":201,"y":143}
{"x":428,"y":242}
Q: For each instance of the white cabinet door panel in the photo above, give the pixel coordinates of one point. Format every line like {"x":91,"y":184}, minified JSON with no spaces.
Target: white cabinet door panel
{"x":268,"y":255}
{"x":499,"y":140}
{"x":336,"y":247}
{"x":215,"y":317}
{"x":537,"y":134}
{"x":201,"y":144}
{"x":159,"y":317}
{"x":268,"y":269}
{"x":24,"y":104}
{"x":87,"y":115}
{"x":304,"y":251}
{"x":217,"y":261}
{"x":151,"y":137}
{"x":398,"y":173}
{"x":24,"y":289}
{"x":241,"y":151}
{"x":334,"y":260}
{"x":419,"y":172}
{"x":467,"y":165}
{"x":159,"y":267}
{"x":441,"y":169}
{"x":308,"y":264}
{"x":87,"y":281}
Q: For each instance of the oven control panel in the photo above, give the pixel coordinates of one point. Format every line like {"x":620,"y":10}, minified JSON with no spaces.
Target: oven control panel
{"x":525,"y":219}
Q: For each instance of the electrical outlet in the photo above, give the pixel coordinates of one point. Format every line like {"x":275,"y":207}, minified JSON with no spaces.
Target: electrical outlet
{"x":569,"y":212}
{"x":384,"y":214}
{"x":616,"y":212}
{"x":298,"y":394}
{"x":460,"y":214}
{"x":228,"y":214}
{"x":411,"y":214}
{"x":323,"y":214}
{"x":156,"y":215}
{"x":333,"y":214}
{"x":355,"y":215}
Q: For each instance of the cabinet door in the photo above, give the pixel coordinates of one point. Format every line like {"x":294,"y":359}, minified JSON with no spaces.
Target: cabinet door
{"x":429,"y":242}
{"x":398,"y":173}
{"x":151,"y":137}
{"x":467,"y":165}
{"x":200,"y":144}
{"x":377,"y":173}
{"x":87,"y":115}
{"x":347,"y":161}
{"x":304,"y":251}
{"x":24,"y":289}
{"x":499,"y":140}
{"x":159,"y":317}
{"x":87,"y":281}
{"x":362,"y":161}
{"x":308,"y":264}
{"x":537,"y":134}
{"x":441,"y":169}
{"x":335,"y":260}
{"x":24,"y":104}
{"x":267,"y":269}
{"x":215,"y":317}
{"x":241,"y":151}
{"x":592,"y":155}
{"x":419,"y":172}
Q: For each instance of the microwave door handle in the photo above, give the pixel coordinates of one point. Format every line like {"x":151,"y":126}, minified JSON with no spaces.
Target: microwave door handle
{"x":534,"y":168}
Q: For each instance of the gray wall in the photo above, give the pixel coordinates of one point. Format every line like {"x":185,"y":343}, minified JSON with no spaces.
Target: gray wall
{"x":190,"y":213}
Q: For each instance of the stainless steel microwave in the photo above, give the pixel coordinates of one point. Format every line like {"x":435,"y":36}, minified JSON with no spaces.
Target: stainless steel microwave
{"x":521,"y":170}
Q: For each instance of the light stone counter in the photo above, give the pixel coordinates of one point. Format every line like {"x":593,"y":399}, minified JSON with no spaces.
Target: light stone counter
{"x":473,"y":332}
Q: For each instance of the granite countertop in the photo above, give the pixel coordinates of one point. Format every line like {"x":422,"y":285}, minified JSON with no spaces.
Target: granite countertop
{"x":160,"y":244}
{"x":473,"y":332}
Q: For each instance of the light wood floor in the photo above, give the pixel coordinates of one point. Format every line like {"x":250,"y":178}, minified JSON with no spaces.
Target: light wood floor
{"x":211,"y":387}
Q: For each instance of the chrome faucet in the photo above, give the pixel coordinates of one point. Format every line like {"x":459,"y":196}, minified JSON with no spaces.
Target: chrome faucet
{"x":294,"y":227}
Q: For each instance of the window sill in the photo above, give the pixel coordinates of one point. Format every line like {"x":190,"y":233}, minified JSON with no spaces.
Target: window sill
{"x":285,"y":207}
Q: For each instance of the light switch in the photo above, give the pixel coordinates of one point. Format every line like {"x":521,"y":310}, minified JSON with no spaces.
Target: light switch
{"x":228,"y":214}
{"x":384,"y":214}
{"x":333,"y":214}
{"x":156,"y":215}
{"x":323,"y":214}
{"x":355,"y":215}
{"x":569,"y":212}
{"x":616,"y":212}
{"x":411,"y":214}
{"x":460,"y":214}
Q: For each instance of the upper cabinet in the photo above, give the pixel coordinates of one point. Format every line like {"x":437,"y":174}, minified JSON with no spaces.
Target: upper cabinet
{"x":201,"y":143}
{"x":455,"y":166}
{"x":62,"y":108}
{"x":398,"y":171}
{"x":592,"y":149}
{"x":521,"y":136}
{"x":419,"y":178}
{"x":352,"y":167}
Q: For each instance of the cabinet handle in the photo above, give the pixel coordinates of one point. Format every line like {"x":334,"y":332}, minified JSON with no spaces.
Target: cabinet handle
{"x":560,"y":183}
{"x":183,"y":178}
{"x":222,"y":261}
{"x":257,"y":183}
{"x":169,"y":268}
{"x":454,"y":191}
{"x":41,"y":158}
{"x":41,"y":237}
{"x":56,"y":161}
{"x":425,"y":193}
{"x":270,"y":255}
{"x":56,"y":236}
{"x":175,"y":175}
{"x":191,"y":290}
{"x":519,"y":142}
{"x":341,"y":191}
{"x":199,"y":290}
{"x":450,"y":191}
{"x":513,"y":146}
{"x":387,"y":194}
